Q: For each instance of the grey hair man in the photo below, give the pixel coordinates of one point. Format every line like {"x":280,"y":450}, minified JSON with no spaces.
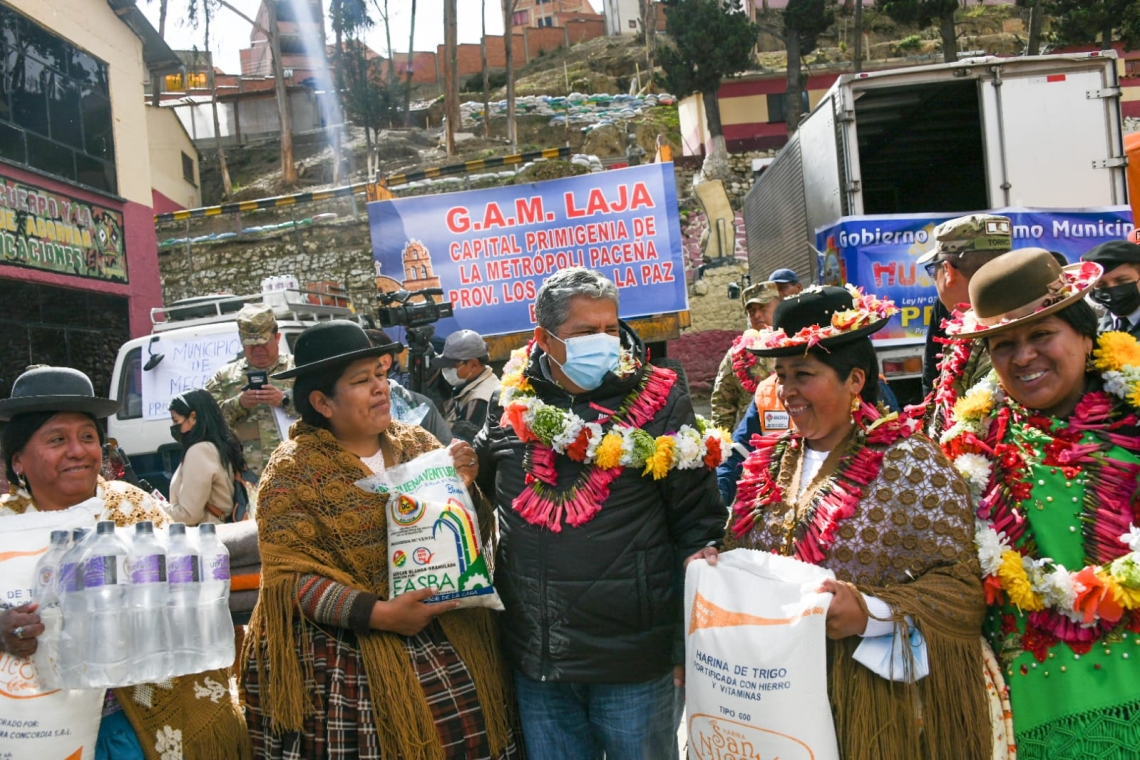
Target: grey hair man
{"x":589,"y":572}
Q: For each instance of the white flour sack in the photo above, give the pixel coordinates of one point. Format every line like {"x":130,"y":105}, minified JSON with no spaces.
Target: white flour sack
{"x":755,"y":659}
{"x":36,"y":722}
{"x":433,"y":533}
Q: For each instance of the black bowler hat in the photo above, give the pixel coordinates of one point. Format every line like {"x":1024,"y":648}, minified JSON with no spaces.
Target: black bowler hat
{"x":55,"y":389}
{"x":1113,"y":253}
{"x":823,"y":316}
{"x":330,"y":343}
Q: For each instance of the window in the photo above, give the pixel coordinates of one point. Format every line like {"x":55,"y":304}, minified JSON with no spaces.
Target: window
{"x":173,"y":83}
{"x":130,"y":386}
{"x":778,"y":106}
{"x":633,"y":23}
{"x":521,"y":18}
{"x":1132,"y":68}
{"x":197,"y":80}
{"x":188,"y":168}
{"x":548,"y":21}
{"x":55,"y":107}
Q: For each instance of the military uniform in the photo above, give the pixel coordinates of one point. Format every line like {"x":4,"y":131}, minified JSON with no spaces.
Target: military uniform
{"x":258,"y":428}
{"x":954,"y":240}
{"x":730,"y":399}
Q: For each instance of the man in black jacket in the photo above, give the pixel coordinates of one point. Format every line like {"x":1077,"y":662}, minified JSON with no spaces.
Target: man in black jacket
{"x":593,"y":618}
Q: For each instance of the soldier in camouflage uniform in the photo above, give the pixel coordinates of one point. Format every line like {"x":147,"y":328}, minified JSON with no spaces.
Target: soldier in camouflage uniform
{"x":961,"y":247}
{"x":256,"y":416}
{"x":730,"y":398}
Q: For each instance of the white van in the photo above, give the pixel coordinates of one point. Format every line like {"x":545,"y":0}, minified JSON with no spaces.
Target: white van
{"x":189,"y":342}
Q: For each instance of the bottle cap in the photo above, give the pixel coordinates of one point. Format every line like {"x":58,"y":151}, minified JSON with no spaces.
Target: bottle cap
{"x":104,"y":527}
{"x":60,"y":536}
{"x":207,"y":529}
{"x":144,"y":528}
{"x":177,"y":529}
{"x":78,"y":534}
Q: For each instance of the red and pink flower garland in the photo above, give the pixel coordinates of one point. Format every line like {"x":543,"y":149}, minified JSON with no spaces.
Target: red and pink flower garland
{"x":837,"y":501}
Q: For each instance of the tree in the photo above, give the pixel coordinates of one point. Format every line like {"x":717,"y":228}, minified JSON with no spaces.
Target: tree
{"x":486,"y":73}
{"x":712,"y":40}
{"x":410,"y":71}
{"x":227,"y":185}
{"x":924,"y":13}
{"x":451,"y":72}
{"x":284,"y":110}
{"x":508,"y":41}
{"x":1082,"y":22}
{"x":804,"y":21}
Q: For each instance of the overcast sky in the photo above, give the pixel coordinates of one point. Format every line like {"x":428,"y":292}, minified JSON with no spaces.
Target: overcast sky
{"x":229,"y":33}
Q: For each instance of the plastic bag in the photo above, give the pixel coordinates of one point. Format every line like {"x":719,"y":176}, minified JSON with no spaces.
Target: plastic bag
{"x":884,"y":655}
{"x":36,"y":721}
{"x":434,"y":539}
{"x":755,"y":659}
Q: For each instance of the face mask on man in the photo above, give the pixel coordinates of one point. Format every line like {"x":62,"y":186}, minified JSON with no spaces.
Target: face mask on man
{"x":451,"y":375}
{"x":589,"y":358}
{"x":1121,"y":299}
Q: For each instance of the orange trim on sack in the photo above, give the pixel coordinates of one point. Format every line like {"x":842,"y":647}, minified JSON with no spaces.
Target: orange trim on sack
{"x":708,"y":615}
{"x":5,"y":556}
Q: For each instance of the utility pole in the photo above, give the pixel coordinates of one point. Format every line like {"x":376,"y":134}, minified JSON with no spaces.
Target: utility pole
{"x":486,"y":74}
{"x":858,"y":36}
{"x":284,"y":109}
{"x":451,"y":72}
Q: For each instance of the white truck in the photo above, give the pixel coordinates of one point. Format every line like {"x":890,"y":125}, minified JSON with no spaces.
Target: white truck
{"x":200,"y":336}
{"x":1040,"y":132}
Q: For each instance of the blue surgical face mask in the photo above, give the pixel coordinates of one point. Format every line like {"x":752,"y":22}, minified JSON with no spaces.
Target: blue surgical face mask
{"x":589,"y":358}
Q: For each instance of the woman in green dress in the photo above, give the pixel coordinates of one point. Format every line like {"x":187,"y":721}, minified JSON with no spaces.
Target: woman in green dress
{"x":1048,"y":443}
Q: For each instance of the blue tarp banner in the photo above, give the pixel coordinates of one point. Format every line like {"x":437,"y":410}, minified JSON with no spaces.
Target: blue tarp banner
{"x":879,"y":253}
{"x":490,"y":250}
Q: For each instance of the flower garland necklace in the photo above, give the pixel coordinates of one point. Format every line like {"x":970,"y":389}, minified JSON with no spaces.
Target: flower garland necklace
{"x":549,"y":431}
{"x":743,"y":360}
{"x":1077,"y":607}
{"x":761,"y":486}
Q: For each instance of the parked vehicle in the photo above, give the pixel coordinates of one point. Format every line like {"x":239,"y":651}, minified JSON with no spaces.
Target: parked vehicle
{"x":1040,"y":132}
{"x":207,"y":325}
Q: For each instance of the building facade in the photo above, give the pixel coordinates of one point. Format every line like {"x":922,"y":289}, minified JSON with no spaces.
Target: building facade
{"x":78,"y":254}
{"x":543,"y":13}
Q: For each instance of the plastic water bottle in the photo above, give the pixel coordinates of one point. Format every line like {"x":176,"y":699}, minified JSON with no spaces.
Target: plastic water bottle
{"x":217,"y":625}
{"x":46,"y":657}
{"x":109,"y":642}
{"x":149,"y":599}
{"x":72,"y":656}
{"x":183,"y":570}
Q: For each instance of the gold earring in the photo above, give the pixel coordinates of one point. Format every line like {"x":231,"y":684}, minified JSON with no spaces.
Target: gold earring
{"x":855,"y":404}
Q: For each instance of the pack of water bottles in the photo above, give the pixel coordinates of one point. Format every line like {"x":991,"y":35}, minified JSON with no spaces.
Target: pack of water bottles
{"x":135,"y":605}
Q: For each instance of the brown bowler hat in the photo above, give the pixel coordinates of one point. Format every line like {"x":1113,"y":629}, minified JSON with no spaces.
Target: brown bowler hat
{"x":1025,"y":284}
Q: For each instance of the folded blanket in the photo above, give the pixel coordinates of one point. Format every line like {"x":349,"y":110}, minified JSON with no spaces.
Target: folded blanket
{"x":240,"y":539}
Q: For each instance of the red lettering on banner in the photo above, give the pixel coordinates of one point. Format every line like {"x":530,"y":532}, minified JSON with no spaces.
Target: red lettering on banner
{"x":467,"y":277}
{"x":644,"y":226}
{"x":571,"y":211}
{"x":656,"y":274}
{"x":624,"y":278}
{"x":529,"y":210}
{"x":641,"y":197}
{"x":457,"y":220}
{"x":473,"y":298}
{"x":493,"y":217}
{"x":878,"y":270}
{"x":516,"y":291}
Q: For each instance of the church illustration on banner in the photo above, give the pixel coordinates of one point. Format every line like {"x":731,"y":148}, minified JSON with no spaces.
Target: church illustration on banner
{"x":418,"y":273}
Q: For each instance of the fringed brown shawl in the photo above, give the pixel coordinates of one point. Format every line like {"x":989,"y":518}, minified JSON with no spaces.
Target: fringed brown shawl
{"x":312,"y":518}
{"x":909,"y":543}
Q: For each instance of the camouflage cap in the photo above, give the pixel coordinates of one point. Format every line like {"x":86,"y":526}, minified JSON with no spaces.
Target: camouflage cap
{"x":256,"y":324}
{"x":969,"y":234}
{"x":760,"y":292}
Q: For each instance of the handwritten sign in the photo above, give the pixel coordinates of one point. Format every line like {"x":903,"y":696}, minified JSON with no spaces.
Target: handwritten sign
{"x":46,"y":230}
{"x":490,"y":250}
{"x":189,"y":363}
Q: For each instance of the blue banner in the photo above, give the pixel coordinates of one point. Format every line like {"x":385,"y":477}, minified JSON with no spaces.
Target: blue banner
{"x":879,"y":253}
{"x":490,"y":250}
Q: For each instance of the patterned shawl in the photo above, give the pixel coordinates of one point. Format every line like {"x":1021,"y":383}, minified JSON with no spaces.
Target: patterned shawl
{"x":312,"y":518}
{"x":908,"y":541}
